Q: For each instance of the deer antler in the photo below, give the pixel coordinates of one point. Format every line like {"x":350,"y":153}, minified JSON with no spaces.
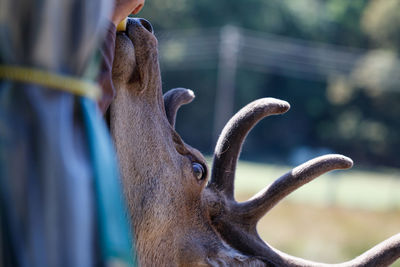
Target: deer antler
{"x":174,"y":99}
{"x":289,"y":182}
{"x":236,"y":222}
{"x":230,"y":141}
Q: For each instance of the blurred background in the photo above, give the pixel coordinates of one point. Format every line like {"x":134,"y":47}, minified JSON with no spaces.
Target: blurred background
{"x":336,"y":62}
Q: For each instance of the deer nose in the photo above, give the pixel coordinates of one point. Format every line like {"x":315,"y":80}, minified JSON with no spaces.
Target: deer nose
{"x":146,"y":24}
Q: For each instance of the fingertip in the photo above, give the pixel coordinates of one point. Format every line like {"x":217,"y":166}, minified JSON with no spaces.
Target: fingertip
{"x":137,"y":9}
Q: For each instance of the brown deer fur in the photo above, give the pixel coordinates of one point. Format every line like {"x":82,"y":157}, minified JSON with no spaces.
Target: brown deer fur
{"x":181,"y":217}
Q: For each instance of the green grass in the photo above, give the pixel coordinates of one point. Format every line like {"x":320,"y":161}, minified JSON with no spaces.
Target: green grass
{"x":333,"y":218}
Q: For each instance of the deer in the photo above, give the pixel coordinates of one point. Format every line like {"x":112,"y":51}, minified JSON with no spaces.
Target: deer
{"x":183,"y":214}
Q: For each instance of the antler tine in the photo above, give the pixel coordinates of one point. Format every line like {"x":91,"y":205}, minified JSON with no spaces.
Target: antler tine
{"x":174,"y":99}
{"x":230,"y":141}
{"x":266,"y":199}
{"x":383,"y":254}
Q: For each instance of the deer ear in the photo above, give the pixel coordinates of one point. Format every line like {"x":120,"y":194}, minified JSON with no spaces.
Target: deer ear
{"x":174,"y":99}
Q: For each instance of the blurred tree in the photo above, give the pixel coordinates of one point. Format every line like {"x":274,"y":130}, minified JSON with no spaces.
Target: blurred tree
{"x":381,"y":22}
{"x":346,"y":112}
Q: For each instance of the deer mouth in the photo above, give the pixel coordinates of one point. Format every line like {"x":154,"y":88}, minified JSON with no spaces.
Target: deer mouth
{"x":140,"y":30}
{"x":136,"y":56}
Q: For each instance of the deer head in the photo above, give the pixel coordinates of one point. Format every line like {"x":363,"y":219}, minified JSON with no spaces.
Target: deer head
{"x":181,"y":215}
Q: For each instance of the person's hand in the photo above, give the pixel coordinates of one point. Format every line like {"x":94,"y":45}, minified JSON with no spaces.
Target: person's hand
{"x":123,"y":8}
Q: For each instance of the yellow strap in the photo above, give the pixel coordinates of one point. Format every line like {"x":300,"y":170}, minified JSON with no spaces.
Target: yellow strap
{"x":51,"y":80}
{"x":121,"y":27}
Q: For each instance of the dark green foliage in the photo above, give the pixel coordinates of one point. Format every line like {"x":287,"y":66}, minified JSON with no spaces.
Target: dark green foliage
{"x":361,"y":120}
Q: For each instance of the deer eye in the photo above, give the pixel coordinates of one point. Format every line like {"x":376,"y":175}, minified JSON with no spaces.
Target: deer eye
{"x":198,"y":170}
